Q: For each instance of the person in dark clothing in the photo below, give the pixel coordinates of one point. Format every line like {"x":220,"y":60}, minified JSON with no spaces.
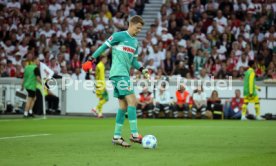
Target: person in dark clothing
{"x":168,"y":65}
{"x":181,"y":69}
{"x":71,"y":44}
{"x":214,"y":105}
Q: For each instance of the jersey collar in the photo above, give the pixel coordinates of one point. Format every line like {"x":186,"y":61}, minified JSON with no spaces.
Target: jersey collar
{"x":129,"y":34}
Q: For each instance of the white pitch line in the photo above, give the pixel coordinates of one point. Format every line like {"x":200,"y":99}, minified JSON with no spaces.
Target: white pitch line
{"x":11,"y":120}
{"x":224,"y":127}
{"x":24,"y":136}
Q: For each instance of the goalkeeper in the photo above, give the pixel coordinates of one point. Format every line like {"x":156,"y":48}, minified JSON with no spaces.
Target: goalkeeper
{"x":124,"y":56}
{"x":249,"y":91}
{"x":101,"y":92}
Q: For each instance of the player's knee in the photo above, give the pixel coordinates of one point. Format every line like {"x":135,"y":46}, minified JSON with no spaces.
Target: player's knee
{"x":257,"y":105}
{"x":244,"y":106}
{"x":131,"y":100}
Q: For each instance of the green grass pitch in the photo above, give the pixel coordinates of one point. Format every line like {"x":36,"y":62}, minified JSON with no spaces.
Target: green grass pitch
{"x":87,"y":142}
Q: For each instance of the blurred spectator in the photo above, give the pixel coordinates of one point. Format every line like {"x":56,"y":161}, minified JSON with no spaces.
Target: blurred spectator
{"x":242,"y":62}
{"x":233,"y":108}
{"x":151,"y":67}
{"x":145,"y":104}
{"x":199,"y":103}
{"x":159,"y":74}
{"x":203,"y":75}
{"x":3,"y":70}
{"x":223,"y":73}
{"x":168,"y":65}
{"x":78,"y":74}
{"x":214,"y":105}
{"x":10,"y":69}
{"x":181,"y":69}
{"x":199,"y":61}
{"x":53,"y":102}
{"x":55,"y":66}
{"x":64,"y":73}
{"x":163,"y":101}
{"x":156,"y":56}
{"x":260,"y":68}
{"x":182,"y":102}
{"x":50,"y":97}
{"x":271,"y":71}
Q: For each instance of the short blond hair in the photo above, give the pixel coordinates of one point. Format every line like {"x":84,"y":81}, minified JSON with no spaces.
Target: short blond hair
{"x":136,"y":19}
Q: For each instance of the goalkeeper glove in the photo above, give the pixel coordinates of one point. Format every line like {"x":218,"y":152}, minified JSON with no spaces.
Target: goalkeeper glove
{"x":88,"y":64}
{"x":145,"y":72}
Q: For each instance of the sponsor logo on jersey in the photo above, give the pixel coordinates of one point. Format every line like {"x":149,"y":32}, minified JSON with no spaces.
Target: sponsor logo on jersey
{"x":128,"y":49}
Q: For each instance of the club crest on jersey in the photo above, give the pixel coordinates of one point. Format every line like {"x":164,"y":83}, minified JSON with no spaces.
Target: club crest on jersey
{"x":110,"y":38}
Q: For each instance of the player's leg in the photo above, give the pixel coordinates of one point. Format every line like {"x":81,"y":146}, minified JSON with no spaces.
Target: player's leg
{"x":95,"y":110}
{"x":257,"y":108}
{"x":30,"y":103}
{"x":125,"y":89}
{"x":27,"y":106}
{"x":244,"y":108}
{"x":32,"y":106}
{"x":99,"y":107}
{"x":102,"y":100}
{"x":132,"y":117}
{"x":120,"y":118}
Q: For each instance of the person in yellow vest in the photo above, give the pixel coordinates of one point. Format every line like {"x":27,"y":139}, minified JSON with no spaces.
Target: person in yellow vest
{"x":101,"y":92}
{"x":249,"y":91}
{"x":50,"y":97}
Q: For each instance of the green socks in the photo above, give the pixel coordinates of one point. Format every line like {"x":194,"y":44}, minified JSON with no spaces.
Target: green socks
{"x":120,"y":118}
{"x":132,"y":117}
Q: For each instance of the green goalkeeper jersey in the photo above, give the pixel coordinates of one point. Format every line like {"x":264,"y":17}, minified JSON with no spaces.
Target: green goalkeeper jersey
{"x":124,"y":53}
{"x":249,"y":86}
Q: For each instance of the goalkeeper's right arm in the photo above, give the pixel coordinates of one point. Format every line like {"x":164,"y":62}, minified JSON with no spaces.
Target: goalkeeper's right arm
{"x":99,"y":51}
{"x":88,"y":65}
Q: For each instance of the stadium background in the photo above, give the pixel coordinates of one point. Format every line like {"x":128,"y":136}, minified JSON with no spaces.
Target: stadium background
{"x":189,"y":32}
{"x":196,"y":40}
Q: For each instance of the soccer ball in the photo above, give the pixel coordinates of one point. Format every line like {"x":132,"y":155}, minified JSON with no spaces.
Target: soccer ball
{"x":149,"y":142}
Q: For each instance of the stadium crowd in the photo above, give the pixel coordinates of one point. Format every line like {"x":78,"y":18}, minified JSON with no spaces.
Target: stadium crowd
{"x":196,"y":39}
{"x":200,"y":39}
{"x":62,"y":33}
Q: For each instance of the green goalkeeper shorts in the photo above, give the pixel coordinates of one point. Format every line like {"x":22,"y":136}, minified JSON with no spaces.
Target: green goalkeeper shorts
{"x":122,"y":86}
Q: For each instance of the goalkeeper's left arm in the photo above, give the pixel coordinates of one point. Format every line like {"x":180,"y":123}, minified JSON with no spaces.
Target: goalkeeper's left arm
{"x":137,"y":66}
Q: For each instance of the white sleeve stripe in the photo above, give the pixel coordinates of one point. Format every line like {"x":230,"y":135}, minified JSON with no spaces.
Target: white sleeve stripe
{"x":107,"y":44}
